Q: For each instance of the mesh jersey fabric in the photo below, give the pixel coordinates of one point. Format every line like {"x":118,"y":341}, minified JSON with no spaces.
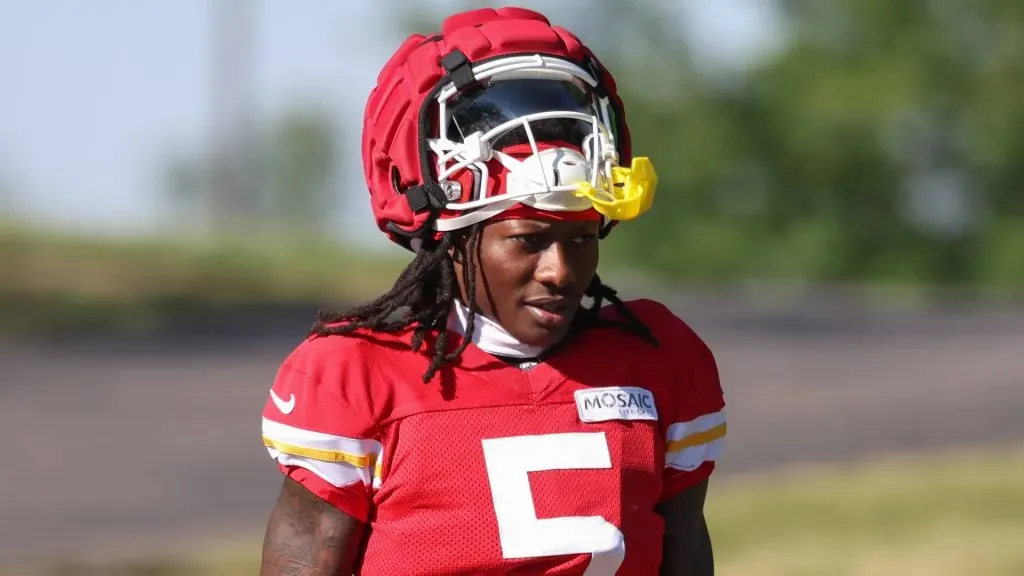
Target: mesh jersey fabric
{"x":491,"y":469}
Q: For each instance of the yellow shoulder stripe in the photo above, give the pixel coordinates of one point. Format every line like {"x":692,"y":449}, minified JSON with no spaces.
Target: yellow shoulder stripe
{"x":697,"y":439}
{"x":361,"y":461}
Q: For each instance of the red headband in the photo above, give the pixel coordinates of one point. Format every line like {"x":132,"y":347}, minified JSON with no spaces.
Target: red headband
{"x":523,"y":212}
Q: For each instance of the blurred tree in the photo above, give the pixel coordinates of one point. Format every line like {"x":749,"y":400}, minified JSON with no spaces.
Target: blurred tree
{"x":9,"y":193}
{"x":287,"y":187}
{"x":882,"y":144}
{"x":185,"y":183}
{"x":6,"y":199}
{"x":884,"y":141}
{"x":301,"y":158}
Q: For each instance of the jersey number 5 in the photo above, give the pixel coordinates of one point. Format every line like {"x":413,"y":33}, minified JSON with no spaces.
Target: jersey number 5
{"x":522,"y":534}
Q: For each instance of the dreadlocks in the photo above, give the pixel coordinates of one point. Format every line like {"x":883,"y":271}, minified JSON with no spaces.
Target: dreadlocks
{"x":423,"y":294}
{"x":599,"y":292}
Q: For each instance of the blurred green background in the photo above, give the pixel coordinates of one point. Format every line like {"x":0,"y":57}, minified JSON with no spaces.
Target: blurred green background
{"x":865,"y":147}
{"x":871,"y":143}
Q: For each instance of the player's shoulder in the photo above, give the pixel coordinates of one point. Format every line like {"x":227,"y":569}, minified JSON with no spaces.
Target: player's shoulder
{"x":681,"y":362}
{"x":316,"y":352}
{"x":673,"y":333}
{"x":335,"y":382}
{"x":339,"y":364}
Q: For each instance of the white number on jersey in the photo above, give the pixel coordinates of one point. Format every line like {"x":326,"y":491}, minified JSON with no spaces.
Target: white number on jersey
{"x":522,"y":534}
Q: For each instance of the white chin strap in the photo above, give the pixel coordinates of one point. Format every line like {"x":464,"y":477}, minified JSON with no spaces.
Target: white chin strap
{"x":547,"y":180}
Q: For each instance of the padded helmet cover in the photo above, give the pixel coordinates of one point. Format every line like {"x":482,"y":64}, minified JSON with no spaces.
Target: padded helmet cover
{"x":402,"y":111}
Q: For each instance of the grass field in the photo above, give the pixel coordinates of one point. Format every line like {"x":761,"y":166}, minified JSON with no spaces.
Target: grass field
{"x":954,"y":515}
{"x":958,"y":514}
{"x":60,"y":282}
{"x":57,"y":282}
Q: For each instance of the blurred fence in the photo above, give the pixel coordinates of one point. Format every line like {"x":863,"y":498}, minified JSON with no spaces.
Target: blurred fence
{"x":129,"y":445}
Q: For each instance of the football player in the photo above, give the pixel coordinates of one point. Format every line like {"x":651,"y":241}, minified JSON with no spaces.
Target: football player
{"x":479,"y":417}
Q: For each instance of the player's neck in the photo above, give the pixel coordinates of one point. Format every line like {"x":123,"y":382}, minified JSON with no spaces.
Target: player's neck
{"x":489,"y":336}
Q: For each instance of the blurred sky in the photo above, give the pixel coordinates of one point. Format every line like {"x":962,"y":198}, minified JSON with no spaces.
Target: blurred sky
{"x":95,"y":94}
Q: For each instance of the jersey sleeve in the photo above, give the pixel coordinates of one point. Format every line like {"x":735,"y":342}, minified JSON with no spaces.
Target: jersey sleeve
{"x":693,"y":410}
{"x":316,"y":425}
{"x":696,"y":424}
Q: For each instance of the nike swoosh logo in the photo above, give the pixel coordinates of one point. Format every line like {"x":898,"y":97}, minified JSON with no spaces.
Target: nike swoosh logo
{"x":284,"y":407}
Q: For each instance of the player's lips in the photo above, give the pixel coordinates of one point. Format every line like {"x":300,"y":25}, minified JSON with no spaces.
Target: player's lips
{"x":550,"y":312}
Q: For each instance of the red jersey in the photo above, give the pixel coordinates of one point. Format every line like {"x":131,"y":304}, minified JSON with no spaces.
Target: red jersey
{"x":546,"y":468}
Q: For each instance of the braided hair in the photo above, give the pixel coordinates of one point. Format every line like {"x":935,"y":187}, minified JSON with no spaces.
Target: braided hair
{"x":423,"y":294}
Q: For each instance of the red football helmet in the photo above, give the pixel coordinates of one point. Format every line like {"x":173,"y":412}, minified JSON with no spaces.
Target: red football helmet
{"x":501,"y":114}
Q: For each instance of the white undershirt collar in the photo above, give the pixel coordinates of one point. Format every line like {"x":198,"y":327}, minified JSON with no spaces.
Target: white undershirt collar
{"x":489,"y":336}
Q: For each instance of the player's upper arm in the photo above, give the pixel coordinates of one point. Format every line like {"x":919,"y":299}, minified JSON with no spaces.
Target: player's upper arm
{"x":306,"y":535}
{"x":693,"y":404}
{"x":686,"y":548}
{"x":317,"y":425}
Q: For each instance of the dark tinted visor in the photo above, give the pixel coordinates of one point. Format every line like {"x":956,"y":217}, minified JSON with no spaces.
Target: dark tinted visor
{"x":483,"y":108}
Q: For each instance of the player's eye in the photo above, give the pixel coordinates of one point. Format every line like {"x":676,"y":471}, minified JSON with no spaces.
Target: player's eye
{"x":531,"y":242}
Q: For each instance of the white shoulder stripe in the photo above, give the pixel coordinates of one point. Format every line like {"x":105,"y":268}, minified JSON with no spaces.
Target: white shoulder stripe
{"x":680,"y":430}
{"x":286,"y":439}
{"x":690,"y":459}
{"x":335,"y":473}
{"x":690,"y":444}
{"x":337,"y":460}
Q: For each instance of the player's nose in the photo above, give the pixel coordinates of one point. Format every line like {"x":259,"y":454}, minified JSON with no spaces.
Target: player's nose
{"x":554,"y":267}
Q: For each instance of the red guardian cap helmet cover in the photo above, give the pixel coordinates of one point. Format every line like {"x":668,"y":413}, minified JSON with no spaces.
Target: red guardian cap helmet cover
{"x":501,"y":115}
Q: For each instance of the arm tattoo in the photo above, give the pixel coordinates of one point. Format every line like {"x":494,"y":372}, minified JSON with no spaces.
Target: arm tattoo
{"x":307,"y":536}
